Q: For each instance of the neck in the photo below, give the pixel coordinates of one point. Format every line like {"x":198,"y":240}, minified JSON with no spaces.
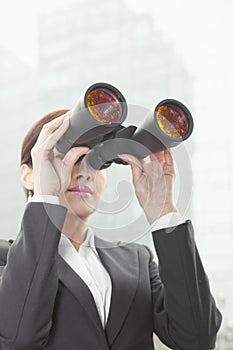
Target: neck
{"x":75,"y":228}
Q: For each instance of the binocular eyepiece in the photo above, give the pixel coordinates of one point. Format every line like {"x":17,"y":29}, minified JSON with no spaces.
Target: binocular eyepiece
{"x":97,"y":120}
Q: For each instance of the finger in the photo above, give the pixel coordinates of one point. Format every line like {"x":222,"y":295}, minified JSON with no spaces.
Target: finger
{"x":168,"y":157}
{"x":143,"y":161}
{"x":53,"y":138}
{"x":159,"y":156}
{"x":66,"y":167}
{"x":50,"y":127}
{"x":135,"y":164}
{"x":74,"y":154}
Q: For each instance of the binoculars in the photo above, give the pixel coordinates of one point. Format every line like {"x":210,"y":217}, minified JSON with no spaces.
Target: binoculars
{"x":96,"y":122}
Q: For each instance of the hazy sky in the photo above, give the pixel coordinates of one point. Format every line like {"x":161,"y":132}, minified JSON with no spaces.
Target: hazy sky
{"x":18,"y":28}
{"x":200,"y":30}
{"x":194,"y":26}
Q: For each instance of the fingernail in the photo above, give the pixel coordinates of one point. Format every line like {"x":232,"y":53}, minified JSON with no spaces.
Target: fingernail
{"x":123,"y":156}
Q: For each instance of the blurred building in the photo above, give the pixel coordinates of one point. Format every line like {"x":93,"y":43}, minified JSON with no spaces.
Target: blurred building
{"x":212,"y":196}
{"x":18,"y":107}
{"x":79,"y":44}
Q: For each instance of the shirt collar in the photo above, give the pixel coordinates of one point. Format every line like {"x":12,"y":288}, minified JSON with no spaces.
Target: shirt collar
{"x":89,"y":241}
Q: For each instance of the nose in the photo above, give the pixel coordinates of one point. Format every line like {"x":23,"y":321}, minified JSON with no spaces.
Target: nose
{"x":84,"y":172}
{"x":86,"y":176}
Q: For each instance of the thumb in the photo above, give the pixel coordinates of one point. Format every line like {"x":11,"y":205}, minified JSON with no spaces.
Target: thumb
{"x":135,"y":164}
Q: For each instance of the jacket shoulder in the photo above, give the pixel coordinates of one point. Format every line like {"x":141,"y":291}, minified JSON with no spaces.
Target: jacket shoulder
{"x":4,"y":248}
{"x":142,"y":248}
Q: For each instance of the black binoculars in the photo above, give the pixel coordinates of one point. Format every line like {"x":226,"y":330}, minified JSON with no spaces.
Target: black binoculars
{"x":97,"y":120}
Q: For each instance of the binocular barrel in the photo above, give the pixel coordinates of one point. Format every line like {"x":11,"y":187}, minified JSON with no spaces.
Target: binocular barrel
{"x":97,"y":113}
{"x":97,"y":120}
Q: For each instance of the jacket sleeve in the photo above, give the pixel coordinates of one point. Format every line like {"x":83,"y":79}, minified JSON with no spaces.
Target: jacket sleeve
{"x":29,"y":280}
{"x":185,"y":316}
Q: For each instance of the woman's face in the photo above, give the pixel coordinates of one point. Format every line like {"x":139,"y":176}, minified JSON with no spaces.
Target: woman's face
{"x":84,"y":191}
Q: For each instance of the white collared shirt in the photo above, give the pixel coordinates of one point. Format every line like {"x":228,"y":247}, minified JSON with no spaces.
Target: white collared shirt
{"x":86,"y":262}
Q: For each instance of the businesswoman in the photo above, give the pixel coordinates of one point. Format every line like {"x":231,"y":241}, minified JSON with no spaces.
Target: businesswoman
{"x":64,"y":288}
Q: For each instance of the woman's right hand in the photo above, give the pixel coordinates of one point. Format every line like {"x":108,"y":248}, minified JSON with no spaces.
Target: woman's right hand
{"x":52,"y":174}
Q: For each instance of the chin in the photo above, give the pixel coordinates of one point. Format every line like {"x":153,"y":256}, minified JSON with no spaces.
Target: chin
{"x":80,"y":212}
{"x":78,"y":206}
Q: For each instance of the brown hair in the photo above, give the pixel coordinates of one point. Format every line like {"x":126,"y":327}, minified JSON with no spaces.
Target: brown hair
{"x":31,"y":138}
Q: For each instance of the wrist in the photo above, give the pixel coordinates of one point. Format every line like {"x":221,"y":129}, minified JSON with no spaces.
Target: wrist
{"x":154,"y":213}
{"x":168,"y":208}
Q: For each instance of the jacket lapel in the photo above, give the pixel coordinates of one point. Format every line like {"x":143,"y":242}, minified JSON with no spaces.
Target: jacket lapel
{"x":80,"y":291}
{"x":123,"y":268}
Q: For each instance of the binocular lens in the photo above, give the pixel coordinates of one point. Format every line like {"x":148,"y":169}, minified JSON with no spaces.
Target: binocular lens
{"x":104,"y":106}
{"x":172,"y":121}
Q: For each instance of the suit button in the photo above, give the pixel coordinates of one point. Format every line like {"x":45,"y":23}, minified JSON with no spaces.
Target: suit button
{"x":43,"y":343}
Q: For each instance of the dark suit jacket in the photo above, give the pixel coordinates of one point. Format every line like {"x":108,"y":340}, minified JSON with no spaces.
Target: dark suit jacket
{"x":44,"y":304}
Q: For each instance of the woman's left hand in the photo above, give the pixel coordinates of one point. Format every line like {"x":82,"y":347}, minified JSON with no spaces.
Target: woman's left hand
{"x":153,"y":181}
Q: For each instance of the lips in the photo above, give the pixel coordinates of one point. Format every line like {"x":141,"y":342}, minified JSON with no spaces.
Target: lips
{"x":80,"y":189}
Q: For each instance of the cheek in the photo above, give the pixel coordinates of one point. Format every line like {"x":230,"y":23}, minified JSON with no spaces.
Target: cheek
{"x":101,"y":181}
